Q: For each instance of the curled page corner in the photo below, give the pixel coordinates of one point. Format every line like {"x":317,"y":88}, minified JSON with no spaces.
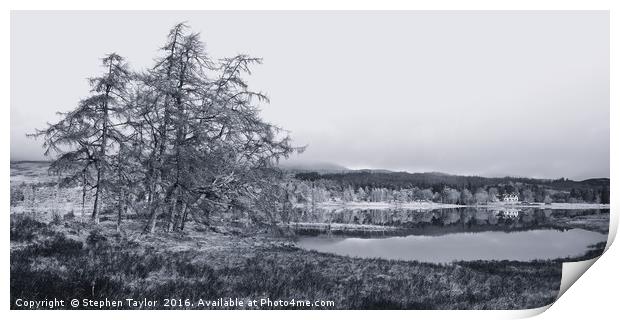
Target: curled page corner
{"x":571,"y":271}
{"x":528,"y":313}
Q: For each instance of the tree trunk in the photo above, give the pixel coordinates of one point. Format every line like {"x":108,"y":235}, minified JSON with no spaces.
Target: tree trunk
{"x":183,"y":215}
{"x":83,"y":199}
{"x":95,"y":216}
{"x":121,"y":209}
{"x":150,"y":226}
{"x":173,"y":209}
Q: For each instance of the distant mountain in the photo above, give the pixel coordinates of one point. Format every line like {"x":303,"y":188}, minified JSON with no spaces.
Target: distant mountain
{"x":373,"y":170}
{"x":312,"y":166}
{"x":596,"y":181}
{"x":30,"y":161}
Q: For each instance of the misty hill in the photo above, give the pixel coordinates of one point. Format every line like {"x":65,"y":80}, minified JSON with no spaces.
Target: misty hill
{"x":297,"y":166}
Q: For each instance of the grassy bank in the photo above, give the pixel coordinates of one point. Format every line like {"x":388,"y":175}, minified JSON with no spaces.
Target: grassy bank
{"x":68,"y":259}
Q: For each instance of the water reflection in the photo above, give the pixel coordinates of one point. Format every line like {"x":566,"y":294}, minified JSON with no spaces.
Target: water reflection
{"x":490,"y":245}
{"x":442,"y":220}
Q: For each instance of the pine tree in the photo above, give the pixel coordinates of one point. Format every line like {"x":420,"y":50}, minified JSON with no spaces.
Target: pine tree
{"x":89,"y":133}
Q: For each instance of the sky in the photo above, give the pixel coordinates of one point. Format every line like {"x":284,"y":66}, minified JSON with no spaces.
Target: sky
{"x":476,"y":93}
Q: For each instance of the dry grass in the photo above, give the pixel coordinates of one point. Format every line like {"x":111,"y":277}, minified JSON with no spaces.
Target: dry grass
{"x":69,"y":259}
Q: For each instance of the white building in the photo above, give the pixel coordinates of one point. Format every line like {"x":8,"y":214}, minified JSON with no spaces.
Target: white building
{"x":511,"y":213}
{"x":507,"y":212}
{"x":511,"y":198}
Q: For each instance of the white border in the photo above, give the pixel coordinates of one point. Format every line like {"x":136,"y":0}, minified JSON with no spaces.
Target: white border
{"x":605,"y":284}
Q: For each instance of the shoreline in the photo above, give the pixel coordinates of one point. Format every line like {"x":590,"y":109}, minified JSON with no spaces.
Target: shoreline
{"x":436,"y":205}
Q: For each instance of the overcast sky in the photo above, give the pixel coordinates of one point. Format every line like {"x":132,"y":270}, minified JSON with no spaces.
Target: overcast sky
{"x":492,"y":93}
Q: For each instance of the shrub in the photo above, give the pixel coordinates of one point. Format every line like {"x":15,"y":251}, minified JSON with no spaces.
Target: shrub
{"x":24,"y":228}
{"x":58,"y":245}
{"x":17,"y":195}
{"x":96,"y":239}
{"x":69,"y":216}
{"x":56,"y":217}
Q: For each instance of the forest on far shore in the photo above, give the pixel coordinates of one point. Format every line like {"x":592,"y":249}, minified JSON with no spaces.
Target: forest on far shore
{"x":379,"y":186}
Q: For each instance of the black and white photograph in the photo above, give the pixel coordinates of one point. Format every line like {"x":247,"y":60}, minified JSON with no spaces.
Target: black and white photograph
{"x":330,"y":160}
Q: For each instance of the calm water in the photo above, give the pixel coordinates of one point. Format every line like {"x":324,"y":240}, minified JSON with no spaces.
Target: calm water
{"x":445,"y":235}
{"x":488,"y":245}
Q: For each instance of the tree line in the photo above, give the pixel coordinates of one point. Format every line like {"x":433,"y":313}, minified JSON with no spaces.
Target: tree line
{"x":175,"y":142}
{"x":444,"y":188}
